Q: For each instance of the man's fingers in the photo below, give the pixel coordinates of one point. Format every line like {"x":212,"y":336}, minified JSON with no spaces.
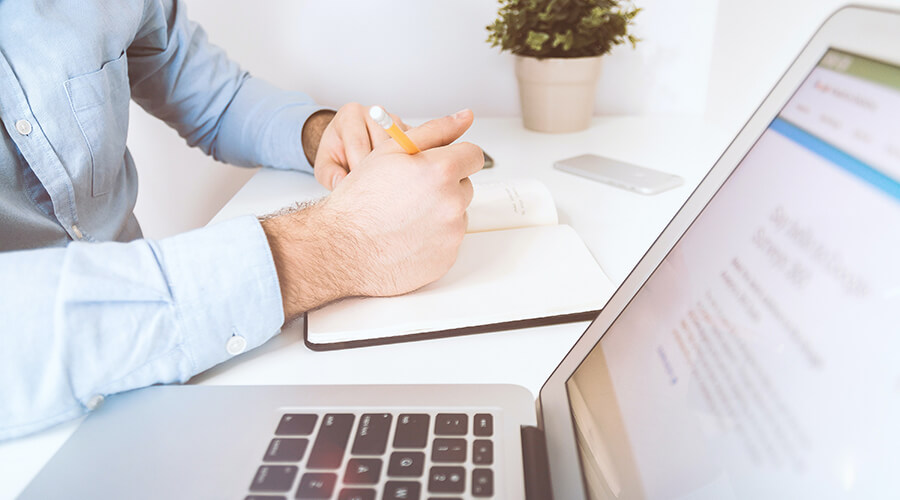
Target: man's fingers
{"x":377,"y":135}
{"x":403,"y":126}
{"x":441,"y":131}
{"x":357,"y":143}
{"x":468,"y":190}
{"x":464,"y":158}
{"x":329,"y":173}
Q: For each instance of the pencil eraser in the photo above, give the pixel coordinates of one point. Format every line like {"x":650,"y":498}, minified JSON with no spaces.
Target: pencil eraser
{"x":381,"y":117}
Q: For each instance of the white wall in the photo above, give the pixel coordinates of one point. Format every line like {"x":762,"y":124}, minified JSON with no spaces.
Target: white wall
{"x":418,"y":58}
{"x":428,"y":58}
{"x":755,"y":42}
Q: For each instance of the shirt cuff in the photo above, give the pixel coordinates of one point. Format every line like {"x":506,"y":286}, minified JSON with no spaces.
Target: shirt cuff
{"x":263,"y":126}
{"x":226,"y":289}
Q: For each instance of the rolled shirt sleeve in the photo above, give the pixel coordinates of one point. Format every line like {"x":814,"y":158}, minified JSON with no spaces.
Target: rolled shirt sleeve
{"x":94,"y":319}
{"x":178,"y":76}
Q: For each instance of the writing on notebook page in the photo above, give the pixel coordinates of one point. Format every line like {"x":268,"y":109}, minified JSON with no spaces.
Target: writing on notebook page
{"x":508,"y":205}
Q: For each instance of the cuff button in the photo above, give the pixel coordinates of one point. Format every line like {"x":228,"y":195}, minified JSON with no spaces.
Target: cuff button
{"x":236,"y":345}
{"x":95,"y":402}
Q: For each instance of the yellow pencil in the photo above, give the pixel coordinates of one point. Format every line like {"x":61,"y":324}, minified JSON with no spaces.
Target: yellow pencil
{"x":384,"y":120}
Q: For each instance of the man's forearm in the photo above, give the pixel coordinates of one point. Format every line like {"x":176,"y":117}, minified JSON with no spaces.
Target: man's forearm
{"x":309,"y":246}
{"x":93,"y":319}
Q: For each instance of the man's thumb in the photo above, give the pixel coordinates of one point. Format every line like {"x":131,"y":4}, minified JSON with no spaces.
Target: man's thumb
{"x":441,"y":131}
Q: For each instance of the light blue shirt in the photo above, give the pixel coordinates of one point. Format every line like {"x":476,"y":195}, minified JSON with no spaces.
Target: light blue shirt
{"x":87,"y":307}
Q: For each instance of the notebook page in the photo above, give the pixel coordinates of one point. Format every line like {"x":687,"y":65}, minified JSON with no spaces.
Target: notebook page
{"x":510,"y":204}
{"x":499,"y":276}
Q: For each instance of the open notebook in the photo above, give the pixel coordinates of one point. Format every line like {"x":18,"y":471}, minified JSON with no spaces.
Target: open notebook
{"x":516,"y":268}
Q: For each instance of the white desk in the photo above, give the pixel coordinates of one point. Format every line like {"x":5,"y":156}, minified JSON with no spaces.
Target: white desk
{"x":617,"y":225}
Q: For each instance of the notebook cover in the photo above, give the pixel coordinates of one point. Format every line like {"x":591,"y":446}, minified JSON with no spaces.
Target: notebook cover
{"x":439,"y":334}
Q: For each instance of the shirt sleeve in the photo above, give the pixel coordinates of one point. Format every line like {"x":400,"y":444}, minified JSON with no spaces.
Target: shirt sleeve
{"x":93,"y":319}
{"x":178,"y":76}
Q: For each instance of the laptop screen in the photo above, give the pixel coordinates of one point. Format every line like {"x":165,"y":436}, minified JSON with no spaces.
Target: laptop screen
{"x":762,"y":357}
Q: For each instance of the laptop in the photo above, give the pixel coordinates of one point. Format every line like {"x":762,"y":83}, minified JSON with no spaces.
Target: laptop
{"x":752,"y":352}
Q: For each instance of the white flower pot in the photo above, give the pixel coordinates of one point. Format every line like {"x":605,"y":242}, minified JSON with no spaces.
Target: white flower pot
{"x":557,"y":94}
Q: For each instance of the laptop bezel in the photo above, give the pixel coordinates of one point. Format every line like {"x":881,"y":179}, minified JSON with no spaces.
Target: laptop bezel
{"x":864,"y":31}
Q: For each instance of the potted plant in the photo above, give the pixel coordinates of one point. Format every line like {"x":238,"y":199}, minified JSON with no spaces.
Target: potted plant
{"x":558,"y":45}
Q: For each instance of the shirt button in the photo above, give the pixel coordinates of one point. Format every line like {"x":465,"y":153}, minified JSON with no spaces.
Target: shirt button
{"x":77,"y":232}
{"x":23,"y":126}
{"x":236,"y":345}
{"x":95,"y":402}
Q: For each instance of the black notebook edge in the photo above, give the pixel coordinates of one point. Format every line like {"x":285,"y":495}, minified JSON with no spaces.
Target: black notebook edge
{"x":452,"y":332}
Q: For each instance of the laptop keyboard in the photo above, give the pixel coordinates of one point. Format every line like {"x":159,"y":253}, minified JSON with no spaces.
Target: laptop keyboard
{"x":373,"y":456}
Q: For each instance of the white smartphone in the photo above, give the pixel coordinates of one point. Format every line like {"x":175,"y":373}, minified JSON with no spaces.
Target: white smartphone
{"x":620,"y":174}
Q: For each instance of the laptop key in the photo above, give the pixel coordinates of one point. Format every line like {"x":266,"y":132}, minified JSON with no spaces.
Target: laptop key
{"x":483,"y":425}
{"x":447,"y":480}
{"x":482,"y":452}
{"x":401,"y":490}
{"x":362,"y":471}
{"x":406,"y":464}
{"x":451,"y":424}
{"x":296,"y":424}
{"x":331,"y":441}
{"x":264,"y":497}
{"x":449,"y":450}
{"x":285,"y":450}
{"x":372,"y":434}
{"x":274,"y":478}
{"x":356,"y":494}
{"x":482,"y":482}
{"x":316,"y":485}
{"x":412,"y":430}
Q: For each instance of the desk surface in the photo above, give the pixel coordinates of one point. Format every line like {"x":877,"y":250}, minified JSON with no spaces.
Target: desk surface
{"x":618,"y":227}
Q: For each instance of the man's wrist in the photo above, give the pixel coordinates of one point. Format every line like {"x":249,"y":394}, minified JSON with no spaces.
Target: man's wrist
{"x":311,"y":135}
{"x":309,"y":245}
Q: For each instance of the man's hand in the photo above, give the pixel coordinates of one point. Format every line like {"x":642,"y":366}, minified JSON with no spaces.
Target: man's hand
{"x":349,"y":137}
{"x":394,"y":224}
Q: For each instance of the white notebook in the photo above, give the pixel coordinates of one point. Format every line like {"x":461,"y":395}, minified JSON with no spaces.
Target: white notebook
{"x":517,"y":267}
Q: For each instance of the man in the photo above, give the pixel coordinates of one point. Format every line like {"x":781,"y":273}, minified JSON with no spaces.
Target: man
{"x":89,"y":308}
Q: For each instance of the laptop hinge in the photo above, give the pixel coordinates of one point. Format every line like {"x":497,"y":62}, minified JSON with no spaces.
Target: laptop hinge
{"x":536,"y":465}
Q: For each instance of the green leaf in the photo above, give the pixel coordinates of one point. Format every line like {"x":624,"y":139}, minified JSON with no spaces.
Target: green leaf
{"x":576,"y":28}
{"x":565,"y":39}
{"x":536,"y":40}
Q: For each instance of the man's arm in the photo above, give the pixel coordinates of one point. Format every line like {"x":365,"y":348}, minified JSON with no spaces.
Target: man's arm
{"x":393,"y":224}
{"x":93,"y":319}
{"x":178,"y":76}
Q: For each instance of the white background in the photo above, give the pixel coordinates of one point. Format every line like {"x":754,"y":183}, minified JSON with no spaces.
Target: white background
{"x":716,"y":58}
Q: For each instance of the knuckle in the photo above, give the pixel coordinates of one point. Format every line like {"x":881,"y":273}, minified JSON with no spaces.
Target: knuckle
{"x":447,"y":213}
{"x":468,"y":194}
{"x":462,"y":207}
{"x":455,"y":213}
{"x":473,"y":152}
{"x":440,"y":130}
{"x":348,"y":110}
{"x":460,"y":231}
{"x":446,"y":168}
